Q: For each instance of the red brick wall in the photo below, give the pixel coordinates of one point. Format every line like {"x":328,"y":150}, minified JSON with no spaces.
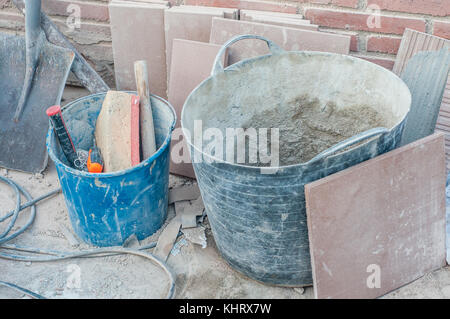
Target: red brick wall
{"x":376,"y":43}
{"x":380,"y":43}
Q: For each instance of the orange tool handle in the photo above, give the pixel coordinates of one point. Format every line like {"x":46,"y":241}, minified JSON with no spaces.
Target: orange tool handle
{"x":94,"y":162}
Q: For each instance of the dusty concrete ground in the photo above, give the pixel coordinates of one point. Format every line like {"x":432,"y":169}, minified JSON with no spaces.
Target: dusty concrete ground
{"x":201,"y":273}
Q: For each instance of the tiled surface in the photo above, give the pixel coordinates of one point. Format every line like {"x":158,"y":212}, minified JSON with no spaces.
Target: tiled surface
{"x":229,"y":13}
{"x":280,"y":19}
{"x":191,"y":63}
{"x":394,"y":225}
{"x":246,"y":4}
{"x":190,"y":23}
{"x":137,"y":31}
{"x":412,"y":43}
{"x":426,"y":76}
{"x":271,"y":13}
{"x":443,"y":122}
{"x":289,"y":38}
{"x":291,"y":23}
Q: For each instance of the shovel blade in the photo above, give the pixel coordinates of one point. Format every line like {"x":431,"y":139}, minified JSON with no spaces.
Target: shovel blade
{"x":22,"y":144}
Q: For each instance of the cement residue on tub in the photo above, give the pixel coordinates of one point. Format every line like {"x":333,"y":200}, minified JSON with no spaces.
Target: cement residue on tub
{"x":307,"y":127}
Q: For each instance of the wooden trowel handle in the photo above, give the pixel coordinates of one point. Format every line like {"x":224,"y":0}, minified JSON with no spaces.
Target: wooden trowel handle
{"x":145,"y":112}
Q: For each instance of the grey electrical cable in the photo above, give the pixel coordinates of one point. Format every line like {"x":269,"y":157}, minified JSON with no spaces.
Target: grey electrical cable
{"x":100,"y":251}
{"x":20,"y":289}
{"x":30,"y":203}
{"x":55,"y":255}
{"x":17,"y":189}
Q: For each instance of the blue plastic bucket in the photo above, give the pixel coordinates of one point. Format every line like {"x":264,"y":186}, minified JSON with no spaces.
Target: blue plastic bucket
{"x":105,"y":209}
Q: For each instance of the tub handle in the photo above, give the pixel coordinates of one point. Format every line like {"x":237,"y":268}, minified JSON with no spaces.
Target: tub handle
{"x":349,"y":142}
{"x":218,"y":67}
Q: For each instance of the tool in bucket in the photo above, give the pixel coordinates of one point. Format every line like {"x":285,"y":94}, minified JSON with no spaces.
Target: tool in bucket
{"x":80,"y":159}
{"x":55,"y":115}
{"x":33,"y":74}
{"x":146,"y":125}
{"x":94,"y":161}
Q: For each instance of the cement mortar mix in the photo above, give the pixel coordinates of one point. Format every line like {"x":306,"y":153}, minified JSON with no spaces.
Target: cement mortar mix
{"x":308,"y":127}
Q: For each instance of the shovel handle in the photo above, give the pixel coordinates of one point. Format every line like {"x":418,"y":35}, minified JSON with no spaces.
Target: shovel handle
{"x":33,"y":47}
{"x":32,"y":21}
{"x":349,"y":142}
{"x":218,"y":67}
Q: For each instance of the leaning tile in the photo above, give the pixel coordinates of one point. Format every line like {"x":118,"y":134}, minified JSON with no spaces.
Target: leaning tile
{"x":378,"y":225}
{"x":191,"y":64}
{"x":137,"y":31}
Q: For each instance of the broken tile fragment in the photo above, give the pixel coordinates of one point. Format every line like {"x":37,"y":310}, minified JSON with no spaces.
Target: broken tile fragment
{"x":196,"y":235}
{"x":167,"y":239}
{"x":190,"y":192}
{"x":188,"y":211}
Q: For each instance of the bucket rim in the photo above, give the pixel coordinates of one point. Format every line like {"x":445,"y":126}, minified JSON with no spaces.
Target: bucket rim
{"x":237,"y":65}
{"x":143,"y":163}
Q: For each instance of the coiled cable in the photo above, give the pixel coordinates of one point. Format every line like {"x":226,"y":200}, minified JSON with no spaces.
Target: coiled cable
{"x":6,"y":236}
